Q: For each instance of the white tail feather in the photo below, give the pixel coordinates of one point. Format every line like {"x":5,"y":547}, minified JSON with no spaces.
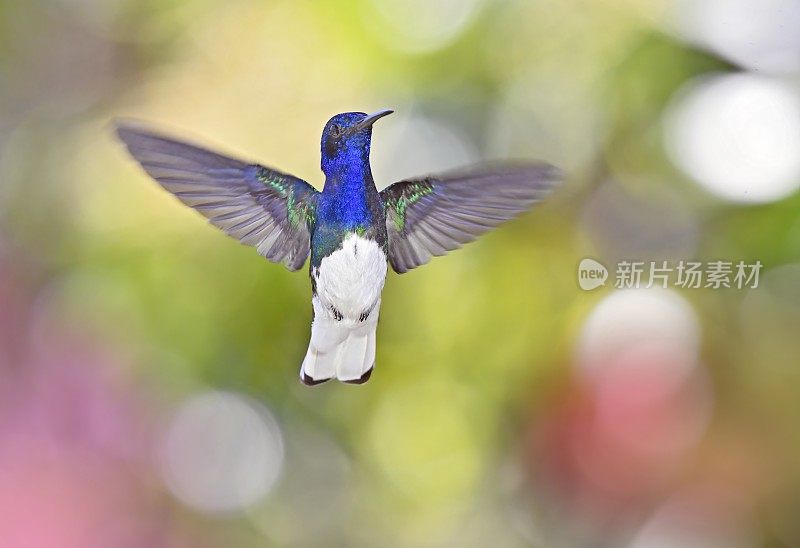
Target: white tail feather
{"x":352,"y":359}
{"x":344,"y":349}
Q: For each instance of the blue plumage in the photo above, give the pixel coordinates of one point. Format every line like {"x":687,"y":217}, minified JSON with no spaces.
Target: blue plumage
{"x":349,"y":202}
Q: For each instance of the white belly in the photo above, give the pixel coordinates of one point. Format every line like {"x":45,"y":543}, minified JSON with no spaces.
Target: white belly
{"x":350,"y":279}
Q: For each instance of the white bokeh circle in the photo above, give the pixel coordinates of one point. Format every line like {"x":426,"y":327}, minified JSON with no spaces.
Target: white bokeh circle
{"x":221,"y":452}
{"x":419,"y":26}
{"x":758,"y":34}
{"x":738,"y":136}
{"x":625,"y":319}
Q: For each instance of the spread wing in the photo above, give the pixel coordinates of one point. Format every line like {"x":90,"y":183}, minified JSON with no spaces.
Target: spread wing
{"x":430,"y":216}
{"x":257,"y":205}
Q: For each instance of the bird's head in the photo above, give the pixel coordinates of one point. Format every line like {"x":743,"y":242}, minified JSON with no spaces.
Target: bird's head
{"x":346,"y":138}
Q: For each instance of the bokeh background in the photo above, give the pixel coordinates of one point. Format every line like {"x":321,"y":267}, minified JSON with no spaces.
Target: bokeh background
{"x":148,"y":364}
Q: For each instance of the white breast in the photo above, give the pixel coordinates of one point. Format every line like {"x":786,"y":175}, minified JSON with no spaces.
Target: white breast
{"x":351,"y":278}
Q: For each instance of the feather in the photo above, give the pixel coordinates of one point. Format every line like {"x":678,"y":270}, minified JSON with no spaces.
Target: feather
{"x":257,"y":205}
{"x":429,"y":216}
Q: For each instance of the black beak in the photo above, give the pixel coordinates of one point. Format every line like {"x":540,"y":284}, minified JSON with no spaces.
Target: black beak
{"x":371,"y":119}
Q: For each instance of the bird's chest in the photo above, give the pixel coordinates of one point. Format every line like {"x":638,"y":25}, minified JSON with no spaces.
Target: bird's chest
{"x":349,"y":280}
{"x":347,"y":206}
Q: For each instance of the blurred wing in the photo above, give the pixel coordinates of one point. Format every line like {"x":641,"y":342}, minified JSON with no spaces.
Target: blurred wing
{"x":259,"y":206}
{"x":430,"y":216}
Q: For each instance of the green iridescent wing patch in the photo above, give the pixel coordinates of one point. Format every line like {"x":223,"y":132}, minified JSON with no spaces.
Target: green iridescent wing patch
{"x":403,"y":196}
{"x":259,"y":206}
{"x":430,"y":216}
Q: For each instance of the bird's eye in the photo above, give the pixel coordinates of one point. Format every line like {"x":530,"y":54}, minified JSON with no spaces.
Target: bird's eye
{"x":336,"y":130}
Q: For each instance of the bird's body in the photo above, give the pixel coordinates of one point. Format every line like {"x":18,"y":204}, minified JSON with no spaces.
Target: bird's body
{"x":352,"y":231}
{"x":348,"y":262}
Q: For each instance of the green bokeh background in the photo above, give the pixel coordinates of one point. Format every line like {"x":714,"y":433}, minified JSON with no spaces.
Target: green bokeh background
{"x":476,"y":349}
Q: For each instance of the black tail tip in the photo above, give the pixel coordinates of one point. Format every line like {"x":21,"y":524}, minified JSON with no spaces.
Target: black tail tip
{"x":362,"y":379}
{"x":308,"y":381}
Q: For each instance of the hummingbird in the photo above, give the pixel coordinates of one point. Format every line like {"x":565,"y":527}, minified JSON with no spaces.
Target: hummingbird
{"x":352,"y":231}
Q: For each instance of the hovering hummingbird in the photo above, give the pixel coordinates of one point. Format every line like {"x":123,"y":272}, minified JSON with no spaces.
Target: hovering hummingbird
{"x":350,"y":228}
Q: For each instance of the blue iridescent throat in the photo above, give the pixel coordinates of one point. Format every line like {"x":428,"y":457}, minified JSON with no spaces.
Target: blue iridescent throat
{"x":344,"y":201}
